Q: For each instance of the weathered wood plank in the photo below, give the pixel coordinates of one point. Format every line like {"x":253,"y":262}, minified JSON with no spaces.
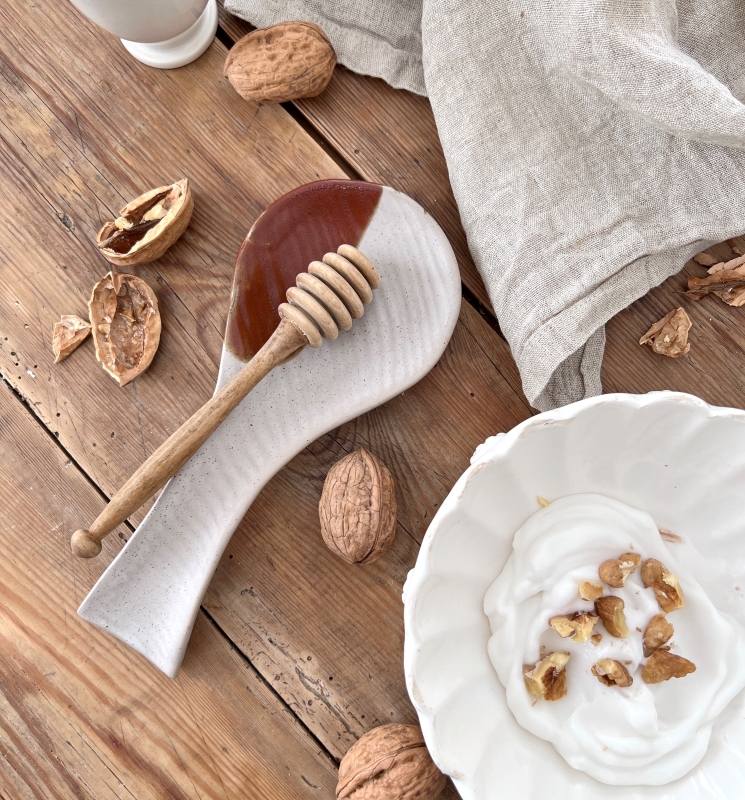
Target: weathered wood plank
{"x":330,"y":635}
{"x":307,"y":605}
{"x":83,"y":716}
{"x":389,"y":136}
{"x":70,"y":156}
{"x":715,"y":367}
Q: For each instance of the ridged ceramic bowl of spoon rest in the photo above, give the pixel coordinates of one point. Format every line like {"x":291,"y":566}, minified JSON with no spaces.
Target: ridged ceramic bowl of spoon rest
{"x":150,"y":594}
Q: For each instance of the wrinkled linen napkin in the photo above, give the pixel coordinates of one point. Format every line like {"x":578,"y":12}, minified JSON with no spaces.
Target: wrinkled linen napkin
{"x":593,"y":146}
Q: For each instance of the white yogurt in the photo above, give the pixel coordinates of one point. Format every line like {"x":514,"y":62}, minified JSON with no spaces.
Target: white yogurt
{"x":643,"y":734}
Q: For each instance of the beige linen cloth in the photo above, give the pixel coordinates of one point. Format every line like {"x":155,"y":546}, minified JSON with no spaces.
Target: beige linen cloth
{"x":593,"y":146}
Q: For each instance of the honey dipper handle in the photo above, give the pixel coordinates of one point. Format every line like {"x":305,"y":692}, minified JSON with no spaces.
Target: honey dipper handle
{"x":183,"y":443}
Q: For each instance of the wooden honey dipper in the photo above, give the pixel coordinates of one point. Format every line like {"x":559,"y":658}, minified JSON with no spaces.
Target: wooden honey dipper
{"x":324,"y":301}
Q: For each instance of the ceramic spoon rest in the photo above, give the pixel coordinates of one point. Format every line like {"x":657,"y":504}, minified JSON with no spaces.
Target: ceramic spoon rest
{"x":150,"y":594}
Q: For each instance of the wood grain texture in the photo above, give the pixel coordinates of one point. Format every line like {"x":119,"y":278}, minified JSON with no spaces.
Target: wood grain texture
{"x":82,"y":716}
{"x":326,"y":635}
{"x":388,"y":136}
{"x":78,"y":141}
{"x":181,"y":445}
{"x":391,"y":136}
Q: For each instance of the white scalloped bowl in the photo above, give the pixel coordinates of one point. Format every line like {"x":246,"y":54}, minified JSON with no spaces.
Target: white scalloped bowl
{"x":669,"y":454}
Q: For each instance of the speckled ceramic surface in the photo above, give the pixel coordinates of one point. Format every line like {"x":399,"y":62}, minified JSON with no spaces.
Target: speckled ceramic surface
{"x":669,"y":454}
{"x":150,"y":595}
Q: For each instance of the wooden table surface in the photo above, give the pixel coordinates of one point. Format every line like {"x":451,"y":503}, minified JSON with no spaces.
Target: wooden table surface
{"x":295,"y":653}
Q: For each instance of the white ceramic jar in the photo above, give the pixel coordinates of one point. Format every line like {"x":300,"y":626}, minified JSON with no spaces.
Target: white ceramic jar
{"x":161,"y":33}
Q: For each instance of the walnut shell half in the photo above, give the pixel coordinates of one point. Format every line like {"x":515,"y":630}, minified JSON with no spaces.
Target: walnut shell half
{"x":126,"y":325}
{"x":358,"y":508}
{"x":284,"y":62}
{"x":147,"y":226}
{"x":389,"y":763}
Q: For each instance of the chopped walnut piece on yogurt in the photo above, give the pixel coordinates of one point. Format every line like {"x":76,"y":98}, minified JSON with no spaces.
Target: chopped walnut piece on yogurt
{"x":579,"y":625}
{"x":589,"y":590}
{"x":614,"y":572}
{"x":611,"y":610}
{"x":664,"y":584}
{"x":659,"y":632}
{"x":663,"y":665}
{"x":548,"y":678}
{"x":611,"y":673}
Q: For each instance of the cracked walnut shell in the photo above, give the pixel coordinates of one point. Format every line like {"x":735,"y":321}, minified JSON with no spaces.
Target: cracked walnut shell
{"x":548,"y":678}
{"x":389,"y":763}
{"x":69,"y":333}
{"x":147,"y":226}
{"x":663,"y":665}
{"x":284,"y":62}
{"x":126,"y":325}
{"x":358,"y":508}
{"x":669,"y":336}
{"x":664,"y":584}
{"x":610,"y":609}
{"x":614,"y":572}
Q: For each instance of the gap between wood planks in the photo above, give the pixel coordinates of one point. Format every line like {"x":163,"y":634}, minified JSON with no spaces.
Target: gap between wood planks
{"x":278,"y":697}
{"x":226,"y":39}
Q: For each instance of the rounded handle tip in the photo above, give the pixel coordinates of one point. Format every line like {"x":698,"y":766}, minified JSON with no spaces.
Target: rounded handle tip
{"x":84,"y":545}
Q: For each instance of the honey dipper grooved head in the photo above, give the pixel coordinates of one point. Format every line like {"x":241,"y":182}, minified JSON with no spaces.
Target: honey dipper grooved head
{"x":331,"y":294}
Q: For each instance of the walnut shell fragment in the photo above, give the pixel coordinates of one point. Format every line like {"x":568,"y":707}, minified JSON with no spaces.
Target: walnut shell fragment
{"x":126,"y":325}
{"x":389,"y":762}
{"x":614,"y":572}
{"x":663,"y":665}
{"x":284,"y":62}
{"x":611,"y":673}
{"x":69,"y":333}
{"x":610,"y":609}
{"x":725,"y":280}
{"x":664,"y":584}
{"x":579,"y":626}
{"x":358,"y":508}
{"x":548,"y":678}
{"x":705,"y":259}
{"x":147,"y":226}
{"x":669,"y":336}
{"x":659,"y":632}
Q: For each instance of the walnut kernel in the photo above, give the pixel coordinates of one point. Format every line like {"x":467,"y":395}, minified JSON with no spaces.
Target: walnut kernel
{"x":579,"y":625}
{"x":664,"y":583}
{"x":610,"y":610}
{"x":547,"y":679}
{"x":659,"y":631}
{"x":589,"y":590}
{"x":614,"y":572}
{"x":612,"y":673}
{"x":663,"y":665}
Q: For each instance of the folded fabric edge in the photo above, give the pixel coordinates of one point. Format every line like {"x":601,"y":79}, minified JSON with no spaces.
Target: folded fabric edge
{"x":357,"y":49}
{"x":572,"y":371}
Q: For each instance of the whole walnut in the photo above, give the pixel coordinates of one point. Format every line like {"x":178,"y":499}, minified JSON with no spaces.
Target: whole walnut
{"x":389,"y":763}
{"x":285,"y":62}
{"x":358,"y":508}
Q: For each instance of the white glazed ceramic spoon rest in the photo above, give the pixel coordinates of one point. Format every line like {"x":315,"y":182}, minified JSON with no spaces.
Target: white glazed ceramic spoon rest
{"x":150,"y":594}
